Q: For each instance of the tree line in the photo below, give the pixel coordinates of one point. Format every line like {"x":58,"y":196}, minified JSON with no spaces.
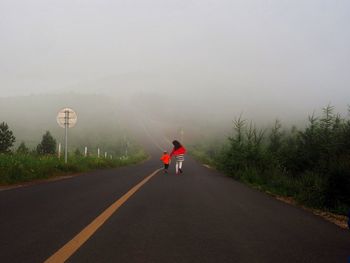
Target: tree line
{"x":310,"y":164}
{"x":47,"y":145}
{"x":23,"y":164}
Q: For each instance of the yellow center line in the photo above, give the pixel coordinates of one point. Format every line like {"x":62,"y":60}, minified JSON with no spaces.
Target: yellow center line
{"x":73,"y":245}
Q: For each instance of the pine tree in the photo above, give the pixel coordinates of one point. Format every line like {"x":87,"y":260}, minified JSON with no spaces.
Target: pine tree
{"x":47,"y":145}
{"x":6,"y":138}
{"x":22,"y":148}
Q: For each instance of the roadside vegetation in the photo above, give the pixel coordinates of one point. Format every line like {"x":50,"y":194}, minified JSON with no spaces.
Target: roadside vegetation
{"x":24,"y":164}
{"x":311,"y":165}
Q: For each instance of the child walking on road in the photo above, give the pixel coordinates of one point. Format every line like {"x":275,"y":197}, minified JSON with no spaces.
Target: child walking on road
{"x":166,"y":160}
{"x":179,"y":153}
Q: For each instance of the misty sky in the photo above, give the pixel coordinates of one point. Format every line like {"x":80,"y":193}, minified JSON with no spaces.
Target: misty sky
{"x":285,"y":55}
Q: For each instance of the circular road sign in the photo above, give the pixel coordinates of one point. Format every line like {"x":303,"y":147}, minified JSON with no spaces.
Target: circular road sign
{"x":67,"y":116}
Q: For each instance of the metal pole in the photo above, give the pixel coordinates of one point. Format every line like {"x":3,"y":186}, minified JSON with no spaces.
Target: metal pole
{"x":66,"y":119}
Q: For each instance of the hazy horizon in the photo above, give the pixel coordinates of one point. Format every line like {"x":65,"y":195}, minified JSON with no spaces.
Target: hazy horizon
{"x":210,"y":60}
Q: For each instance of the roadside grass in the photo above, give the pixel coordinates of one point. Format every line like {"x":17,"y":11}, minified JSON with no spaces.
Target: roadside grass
{"x":266,"y":182}
{"x":308,"y":189}
{"x":17,"y":168}
{"x":306,"y":192}
{"x":309,"y":164}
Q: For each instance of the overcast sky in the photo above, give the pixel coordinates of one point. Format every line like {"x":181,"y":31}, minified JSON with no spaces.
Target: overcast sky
{"x":252,"y":55}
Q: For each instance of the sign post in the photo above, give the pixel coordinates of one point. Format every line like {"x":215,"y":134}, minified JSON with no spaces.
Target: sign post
{"x":66,"y":118}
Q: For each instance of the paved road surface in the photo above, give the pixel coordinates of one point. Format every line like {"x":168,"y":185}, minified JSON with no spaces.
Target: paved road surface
{"x":201,"y":216}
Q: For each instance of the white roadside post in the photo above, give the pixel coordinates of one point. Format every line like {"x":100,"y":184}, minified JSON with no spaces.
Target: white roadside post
{"x":66,"y":118}
{"x":105,"y":154}
{"x":86,"y":151}
{"x":98,"y":152}
{"x":59,"y":151}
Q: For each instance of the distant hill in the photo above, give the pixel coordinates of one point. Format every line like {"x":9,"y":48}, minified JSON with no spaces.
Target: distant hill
{"x":103,"y":120}
{"x":99,"y":117}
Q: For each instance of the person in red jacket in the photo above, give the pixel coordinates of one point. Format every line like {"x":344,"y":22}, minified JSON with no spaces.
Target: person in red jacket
{"x":179,"y":153}
{"x":166,"y":161}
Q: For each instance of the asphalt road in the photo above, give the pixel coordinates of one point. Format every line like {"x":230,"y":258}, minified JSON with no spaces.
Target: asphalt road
{"x":200,"y":216}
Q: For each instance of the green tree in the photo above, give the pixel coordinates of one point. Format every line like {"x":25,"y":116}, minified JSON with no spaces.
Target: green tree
{"x":22,"y":148}
{"x":6,"y":138}
{"x":47,"y":145}
{"x":275,"y":138}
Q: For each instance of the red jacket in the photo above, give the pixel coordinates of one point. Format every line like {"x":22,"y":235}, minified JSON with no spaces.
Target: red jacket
{"x":181,"y":150}
{"x":165,"y":158}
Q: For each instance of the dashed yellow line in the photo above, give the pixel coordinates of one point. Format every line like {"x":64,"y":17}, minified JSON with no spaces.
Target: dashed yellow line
{"x":73,"y":245}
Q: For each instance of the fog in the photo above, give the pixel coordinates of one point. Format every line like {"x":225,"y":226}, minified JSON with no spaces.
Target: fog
{"x":177,"y":63}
